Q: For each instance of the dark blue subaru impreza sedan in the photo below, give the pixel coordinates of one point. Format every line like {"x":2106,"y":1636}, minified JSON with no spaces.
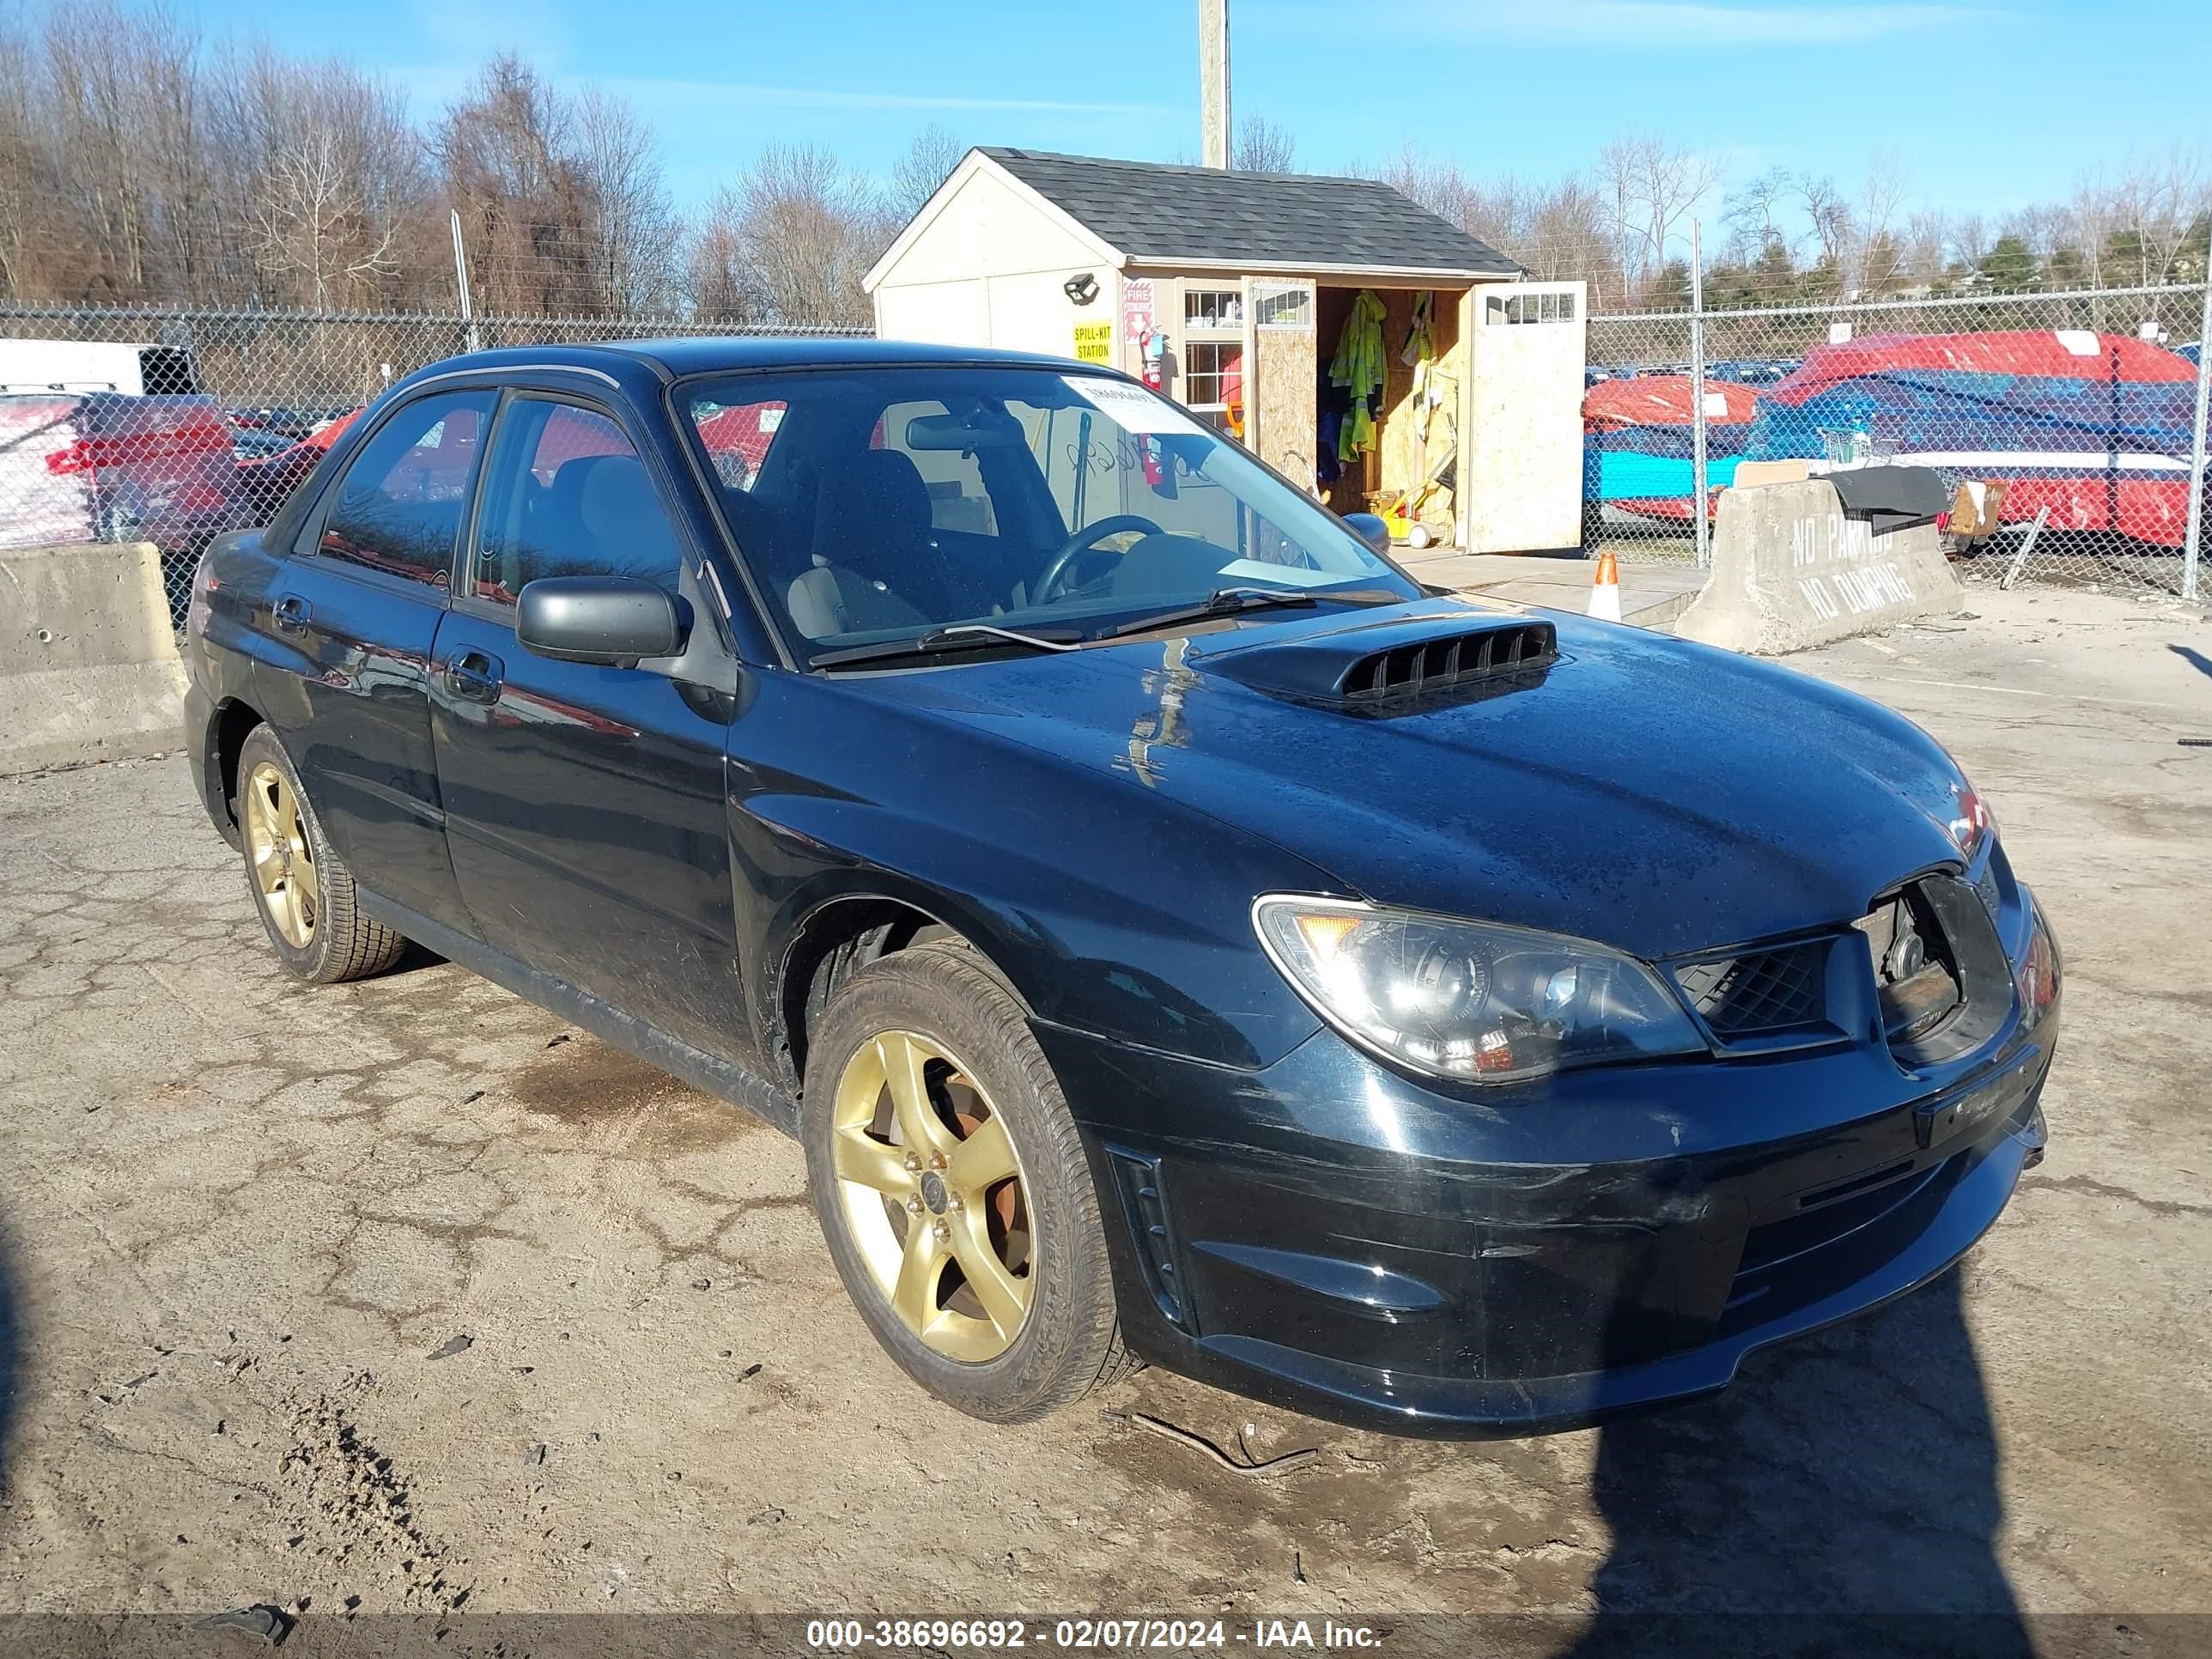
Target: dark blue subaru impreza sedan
{"x":1173,"y":933}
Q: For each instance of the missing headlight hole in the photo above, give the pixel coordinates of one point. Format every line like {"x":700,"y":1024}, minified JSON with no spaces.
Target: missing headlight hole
{"x":1916,"y":971}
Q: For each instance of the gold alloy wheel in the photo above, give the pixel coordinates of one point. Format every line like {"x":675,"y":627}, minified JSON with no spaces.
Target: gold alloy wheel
{"x":283,"y":860}
{"x":931,"y":1187}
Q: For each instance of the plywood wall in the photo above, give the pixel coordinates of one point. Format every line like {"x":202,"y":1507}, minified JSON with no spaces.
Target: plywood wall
{"x":1280,"y":375}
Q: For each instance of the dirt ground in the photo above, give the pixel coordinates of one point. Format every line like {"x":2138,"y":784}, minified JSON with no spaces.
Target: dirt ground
{"x":404,"y":1291}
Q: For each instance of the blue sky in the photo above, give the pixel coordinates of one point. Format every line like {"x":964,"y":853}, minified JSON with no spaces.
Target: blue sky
{"x":1988,"y":106}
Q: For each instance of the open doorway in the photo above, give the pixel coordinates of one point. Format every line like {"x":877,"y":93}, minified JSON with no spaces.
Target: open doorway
{"x":1403,"y":471}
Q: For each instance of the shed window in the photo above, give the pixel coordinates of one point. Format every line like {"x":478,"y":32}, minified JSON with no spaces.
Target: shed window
{"x":1212,"y":373}
{"x":1529,"y":309}
{"x":1215,"y":310}
{"x":1282,"y":305}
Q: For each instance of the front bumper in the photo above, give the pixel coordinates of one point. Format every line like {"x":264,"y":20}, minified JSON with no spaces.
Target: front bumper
{"x":1330,"y":1236}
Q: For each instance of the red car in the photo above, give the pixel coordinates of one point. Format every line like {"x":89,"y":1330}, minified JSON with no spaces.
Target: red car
{"x":264,"y":485}
{"x":108,"y":466}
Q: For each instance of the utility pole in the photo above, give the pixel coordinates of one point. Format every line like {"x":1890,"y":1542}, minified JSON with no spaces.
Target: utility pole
{"x":1214,"y":130}
{"x":1704,"y":528}
{"x":461,"y":284}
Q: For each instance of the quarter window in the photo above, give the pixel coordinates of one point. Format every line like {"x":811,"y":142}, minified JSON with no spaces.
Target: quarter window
{"x":567,"y":495}
{"x":737,"y":437}
{"x":399,"y":506}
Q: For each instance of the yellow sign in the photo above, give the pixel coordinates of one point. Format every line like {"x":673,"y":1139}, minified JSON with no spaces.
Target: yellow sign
{"x":1094,"y":343}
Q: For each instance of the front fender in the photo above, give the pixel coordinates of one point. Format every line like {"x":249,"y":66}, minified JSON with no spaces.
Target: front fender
{"x":1158,"y":953}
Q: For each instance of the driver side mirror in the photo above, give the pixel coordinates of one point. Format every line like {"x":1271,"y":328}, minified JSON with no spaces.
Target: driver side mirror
{"x":1371,"y":530}
{"x":611,"y":620}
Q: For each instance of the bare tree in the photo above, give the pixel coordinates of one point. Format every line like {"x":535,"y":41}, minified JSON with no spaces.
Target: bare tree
{"x":505,"y":152}
{"x":807,"y":230}
{"x":1927,"y":234}
{"x":928,"y":162}
{"x":1264,"y":147}
{"x":311,"y":223}
{"x":628,"y":220}
{"x":1829,"y":216}
{"x":1753,"y":213}
{"x":716,"y":282}
{"x":1648,"y":188}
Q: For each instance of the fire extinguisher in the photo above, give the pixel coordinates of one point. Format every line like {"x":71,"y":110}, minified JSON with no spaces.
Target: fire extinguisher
{"x":1154,"y":372}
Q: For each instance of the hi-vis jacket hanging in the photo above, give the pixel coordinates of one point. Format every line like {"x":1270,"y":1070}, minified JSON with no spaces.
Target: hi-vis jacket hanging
{"x":1358,"y":366}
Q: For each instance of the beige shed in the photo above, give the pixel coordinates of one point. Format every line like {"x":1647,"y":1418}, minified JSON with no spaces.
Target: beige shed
{"x":1231,"y":291}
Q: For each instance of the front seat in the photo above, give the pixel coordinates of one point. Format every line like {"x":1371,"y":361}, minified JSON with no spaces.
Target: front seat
{"x":872,"y":538}
{"x":627,"y":532}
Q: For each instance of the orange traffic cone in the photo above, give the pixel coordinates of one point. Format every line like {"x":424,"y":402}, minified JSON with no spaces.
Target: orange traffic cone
{"x":1605,"y":592}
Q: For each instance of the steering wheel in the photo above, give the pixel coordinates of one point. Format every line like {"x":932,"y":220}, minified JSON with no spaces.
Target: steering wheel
{"x":1082,"y":541}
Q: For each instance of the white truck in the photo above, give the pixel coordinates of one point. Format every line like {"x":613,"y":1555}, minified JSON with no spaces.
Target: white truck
{"x":95,"y":366}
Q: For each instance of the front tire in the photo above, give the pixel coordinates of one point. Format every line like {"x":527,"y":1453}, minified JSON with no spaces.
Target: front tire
{"x":301,"y":888}
{"x":953,"y":1191}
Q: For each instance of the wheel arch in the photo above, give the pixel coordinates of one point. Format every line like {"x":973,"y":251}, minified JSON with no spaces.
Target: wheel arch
{"x":233,"y":720}
{"x":826,"y":936}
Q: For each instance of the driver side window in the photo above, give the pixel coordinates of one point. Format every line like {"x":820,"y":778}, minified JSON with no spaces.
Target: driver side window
{"x":567,"y":495}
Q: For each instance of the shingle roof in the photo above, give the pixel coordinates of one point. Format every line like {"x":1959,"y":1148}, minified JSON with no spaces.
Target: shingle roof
{"x":1206,"y":215}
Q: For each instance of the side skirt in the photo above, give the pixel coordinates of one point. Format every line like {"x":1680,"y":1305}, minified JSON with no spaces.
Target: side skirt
{"x":704,"y":1071}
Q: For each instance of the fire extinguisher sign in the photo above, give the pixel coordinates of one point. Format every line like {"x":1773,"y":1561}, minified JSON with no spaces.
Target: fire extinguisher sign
{"x":1136,"y":308}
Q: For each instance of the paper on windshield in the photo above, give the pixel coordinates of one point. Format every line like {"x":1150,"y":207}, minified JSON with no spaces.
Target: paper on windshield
{"x":1132,"y":407}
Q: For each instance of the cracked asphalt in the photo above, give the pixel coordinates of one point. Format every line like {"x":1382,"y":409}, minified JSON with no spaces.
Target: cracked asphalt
{"x":405,"y":1297}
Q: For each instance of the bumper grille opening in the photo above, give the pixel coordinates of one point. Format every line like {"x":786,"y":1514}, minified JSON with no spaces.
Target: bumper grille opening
{"x":1138,"y":1177}
{"x":1760,"y":991}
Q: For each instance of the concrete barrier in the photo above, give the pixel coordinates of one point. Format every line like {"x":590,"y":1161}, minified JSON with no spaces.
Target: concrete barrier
{"x":88,"y":664}
{"x":1791,"y":571}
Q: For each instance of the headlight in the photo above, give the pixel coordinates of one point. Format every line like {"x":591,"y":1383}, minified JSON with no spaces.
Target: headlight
{"x":2038,"y":970}
{"x":1469,"y":1000}
{"x":1972,"y":820}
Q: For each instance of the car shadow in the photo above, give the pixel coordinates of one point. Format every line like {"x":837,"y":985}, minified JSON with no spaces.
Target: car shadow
{"x":2196,"y":659}
{"x":1842,"y":1496}
{"x":10,"y":1354}
{"x":414,"y":958}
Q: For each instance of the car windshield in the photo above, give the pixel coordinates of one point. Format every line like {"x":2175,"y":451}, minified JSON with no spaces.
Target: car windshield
{"x":882,"y":505}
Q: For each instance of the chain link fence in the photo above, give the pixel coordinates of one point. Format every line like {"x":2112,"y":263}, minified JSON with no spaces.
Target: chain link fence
{"x":173,"y":426}
{"x":2068,"y":427}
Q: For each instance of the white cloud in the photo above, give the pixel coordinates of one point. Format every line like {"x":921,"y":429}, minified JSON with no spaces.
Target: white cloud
{"x":1690,"y":25}
{"x":655,"y":93}
{"x":434,"y":85}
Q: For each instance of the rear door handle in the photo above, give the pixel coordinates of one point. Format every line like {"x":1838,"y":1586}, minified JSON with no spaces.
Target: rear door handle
{"x":475,"y":676}
{"x":291,"y":614}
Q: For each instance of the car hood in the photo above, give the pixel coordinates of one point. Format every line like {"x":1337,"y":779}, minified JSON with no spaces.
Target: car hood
{"x":1661,"y":796}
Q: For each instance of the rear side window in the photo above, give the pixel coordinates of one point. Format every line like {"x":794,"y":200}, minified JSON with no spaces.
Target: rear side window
{"x":567,"y":495}
{"x":399,"y":506}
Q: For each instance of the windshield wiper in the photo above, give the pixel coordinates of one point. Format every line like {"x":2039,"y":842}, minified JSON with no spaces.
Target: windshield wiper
{"x":1230,"y":601}
{"x":961,"y":637}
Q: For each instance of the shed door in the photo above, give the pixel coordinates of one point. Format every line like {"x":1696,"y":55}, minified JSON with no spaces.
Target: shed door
{"x":1279,"y":361}
{"x":1521,"y":464}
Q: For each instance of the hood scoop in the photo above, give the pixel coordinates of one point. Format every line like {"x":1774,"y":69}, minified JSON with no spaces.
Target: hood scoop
{"x":1396,"y":668}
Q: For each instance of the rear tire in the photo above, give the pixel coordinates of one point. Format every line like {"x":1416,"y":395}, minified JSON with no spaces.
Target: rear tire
{"x":1010,"y":1314}
{"x":302,"y":889}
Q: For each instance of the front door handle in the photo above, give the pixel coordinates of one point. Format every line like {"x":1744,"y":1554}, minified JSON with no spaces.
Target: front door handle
{"x":291,"y":613}
{"x":475,"y":676}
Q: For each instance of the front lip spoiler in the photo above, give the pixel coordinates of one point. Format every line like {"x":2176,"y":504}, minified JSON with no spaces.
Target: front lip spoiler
{"x":1460,"y":1408}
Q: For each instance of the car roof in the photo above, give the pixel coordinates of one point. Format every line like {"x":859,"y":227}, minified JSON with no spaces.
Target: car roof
{"x":711,"y":354}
